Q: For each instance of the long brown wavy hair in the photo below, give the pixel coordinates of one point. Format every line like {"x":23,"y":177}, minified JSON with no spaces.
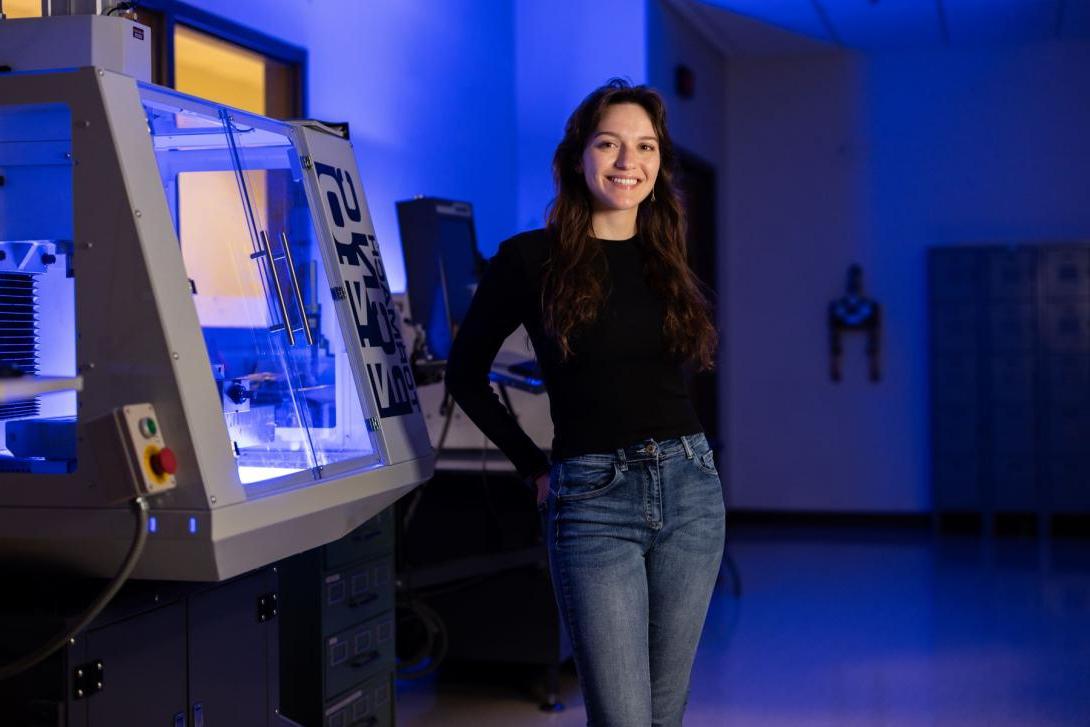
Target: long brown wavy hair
{"x":574,"y":289}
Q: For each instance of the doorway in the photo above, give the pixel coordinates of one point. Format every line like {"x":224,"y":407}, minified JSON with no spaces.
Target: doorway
{"x":697,"y":183}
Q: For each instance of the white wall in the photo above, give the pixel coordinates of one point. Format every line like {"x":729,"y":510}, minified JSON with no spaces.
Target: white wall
{"x":839,"y":158}
{"x":696,"y":124}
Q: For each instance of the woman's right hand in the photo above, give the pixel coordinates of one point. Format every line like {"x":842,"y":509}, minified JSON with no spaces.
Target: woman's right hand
{"x":541,"y":486}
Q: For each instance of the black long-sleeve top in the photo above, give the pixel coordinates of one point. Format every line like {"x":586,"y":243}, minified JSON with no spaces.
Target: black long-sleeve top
{"x":620,"y":387}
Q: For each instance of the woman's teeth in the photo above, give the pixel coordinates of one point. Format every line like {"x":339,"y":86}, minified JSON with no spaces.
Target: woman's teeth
{"x":623,"y":181}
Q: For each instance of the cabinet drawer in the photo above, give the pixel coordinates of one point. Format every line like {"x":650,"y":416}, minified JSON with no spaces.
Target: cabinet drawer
{"x":954,"y":380}
{"x":372,"y":539}
{"x":954,"y":328}
{"x":356,"y":594}
{"x":1067,"y":378}
{"x":955,"y":484}
{"x":1013,"y":378}
{"x":1066,"y":429}
{"x":369,"y":705}
{"x":1011,"y":273}
{"x":358,"y":653}
{"x":955,"y":428}
{"x":1014,"y":482}
{"x":1064,"y":271}
{"x":1014,"y":429}
{"x":1012,"y":326}
{"x":1069,"y":484}
{"x":1065,"y":325}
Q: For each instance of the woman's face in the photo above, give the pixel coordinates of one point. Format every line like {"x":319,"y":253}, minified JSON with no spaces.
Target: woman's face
{"x":621,"y":160}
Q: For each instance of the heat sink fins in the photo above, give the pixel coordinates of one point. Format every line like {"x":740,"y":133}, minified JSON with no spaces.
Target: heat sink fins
{"x":19,"y":335}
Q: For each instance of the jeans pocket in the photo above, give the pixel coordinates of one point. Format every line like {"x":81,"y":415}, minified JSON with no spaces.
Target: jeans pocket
{"x":706,"y":462}
{"x":582,"y":478}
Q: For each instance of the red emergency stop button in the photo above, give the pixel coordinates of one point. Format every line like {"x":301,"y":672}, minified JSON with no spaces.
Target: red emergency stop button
{"x":164,"y":462}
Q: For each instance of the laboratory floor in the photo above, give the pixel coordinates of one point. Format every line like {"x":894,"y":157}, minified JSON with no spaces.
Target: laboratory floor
{"x":852,"y":627}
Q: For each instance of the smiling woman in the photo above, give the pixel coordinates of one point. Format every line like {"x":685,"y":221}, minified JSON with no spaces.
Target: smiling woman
{"x":614,"y":172}
{"x":632,"y":505}
{"x":620,"y":166}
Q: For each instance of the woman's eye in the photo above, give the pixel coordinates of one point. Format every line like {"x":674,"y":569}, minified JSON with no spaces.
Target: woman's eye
{"x":647,"y":147}
{"x":606,"y":145}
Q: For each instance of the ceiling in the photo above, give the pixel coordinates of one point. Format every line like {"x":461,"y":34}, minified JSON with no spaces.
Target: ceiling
{"x":758,"y":27}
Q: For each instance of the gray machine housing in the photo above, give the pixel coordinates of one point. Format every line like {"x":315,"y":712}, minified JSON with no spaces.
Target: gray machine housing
{"x":139,"y":340}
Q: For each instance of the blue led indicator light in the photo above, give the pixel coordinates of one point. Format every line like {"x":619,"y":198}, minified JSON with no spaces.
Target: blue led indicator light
{"x":153,"y":524}
{"x":192,"y":524}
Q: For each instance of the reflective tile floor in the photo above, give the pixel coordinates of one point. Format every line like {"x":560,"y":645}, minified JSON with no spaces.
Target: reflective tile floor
{"x":852,"y":627}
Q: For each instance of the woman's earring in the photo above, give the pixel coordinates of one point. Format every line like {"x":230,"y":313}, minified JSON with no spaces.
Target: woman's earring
{"x":652,"y":194}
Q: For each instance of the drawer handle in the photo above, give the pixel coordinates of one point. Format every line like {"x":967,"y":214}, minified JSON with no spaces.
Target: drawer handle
{"x":361,"y":661}
{"x":363,"y":600}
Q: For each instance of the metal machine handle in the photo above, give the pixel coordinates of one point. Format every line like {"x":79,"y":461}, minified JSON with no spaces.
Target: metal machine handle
{"x":276,"y":286}
{"x":298,"y":290}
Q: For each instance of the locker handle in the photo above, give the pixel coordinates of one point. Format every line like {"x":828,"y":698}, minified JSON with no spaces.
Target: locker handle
{"x":362,"y":601}
{"x":364,"y":660}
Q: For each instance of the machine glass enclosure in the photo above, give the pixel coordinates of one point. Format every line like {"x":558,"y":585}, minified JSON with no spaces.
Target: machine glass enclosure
{"x":37,"y":289}
{"x":234,"y":186}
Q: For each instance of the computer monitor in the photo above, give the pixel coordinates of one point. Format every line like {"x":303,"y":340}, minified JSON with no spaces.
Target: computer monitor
{"x":442,"y":265}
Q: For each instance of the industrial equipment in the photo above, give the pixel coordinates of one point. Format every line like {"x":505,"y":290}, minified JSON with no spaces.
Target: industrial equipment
{"x":217,"y":265}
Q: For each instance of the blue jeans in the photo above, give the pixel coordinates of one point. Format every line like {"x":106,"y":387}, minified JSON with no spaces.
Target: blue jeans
{"x":635,"y":541}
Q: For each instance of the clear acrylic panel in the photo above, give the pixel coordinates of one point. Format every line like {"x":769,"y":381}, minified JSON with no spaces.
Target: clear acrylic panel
{"x":233,"y":182}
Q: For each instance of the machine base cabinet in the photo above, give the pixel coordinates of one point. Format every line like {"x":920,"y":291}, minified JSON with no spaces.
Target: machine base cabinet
{"x":163,"y":653}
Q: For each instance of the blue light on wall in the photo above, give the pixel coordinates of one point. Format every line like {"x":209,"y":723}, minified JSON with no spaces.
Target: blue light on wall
{"x":427,"y":89}
{"x":900,"y":24}
{"x":192,"y":525}
{"x":564,"y":50}
{"x":797,"y":16}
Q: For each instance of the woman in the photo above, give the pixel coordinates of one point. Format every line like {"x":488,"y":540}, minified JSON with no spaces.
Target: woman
{"x":633,"y":505}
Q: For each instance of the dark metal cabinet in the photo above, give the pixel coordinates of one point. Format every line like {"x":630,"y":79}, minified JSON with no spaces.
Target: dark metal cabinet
{"x":144,"y":669}
{"x":368,"y":705}
{"x":162,"y":653}
{"x":954,"y":283}
{"x":233,"y":652}
{"x":1010,"y":378}
{"x":337,"y":630}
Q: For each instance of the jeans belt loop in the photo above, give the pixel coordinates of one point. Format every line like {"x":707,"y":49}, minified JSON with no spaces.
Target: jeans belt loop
{"x":622,"y":462}
{"x":688,"y":447}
